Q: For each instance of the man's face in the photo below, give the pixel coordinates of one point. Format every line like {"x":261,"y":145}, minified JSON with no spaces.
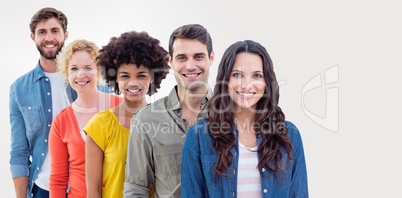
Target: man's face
{"x":49,"y":38}
{"x":190,"y":63}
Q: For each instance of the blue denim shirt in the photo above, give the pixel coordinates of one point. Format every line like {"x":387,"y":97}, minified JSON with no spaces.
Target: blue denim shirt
{"x":199,"y":159}
{"x":30,"y":118}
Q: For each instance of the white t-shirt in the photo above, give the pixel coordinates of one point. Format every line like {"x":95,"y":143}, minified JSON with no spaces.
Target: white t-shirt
{"x":59,"y":102}
{"x":248,"y":177}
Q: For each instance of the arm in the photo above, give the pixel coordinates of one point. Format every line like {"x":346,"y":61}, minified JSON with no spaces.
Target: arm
{"x":299,"y":187}
{"x":140,"y":175}
{"x":192,"y":179}
{"x":59,"y":170}
{"x":93,"y":168}
{"x":21,"y":186}
{"x":19,"y":155}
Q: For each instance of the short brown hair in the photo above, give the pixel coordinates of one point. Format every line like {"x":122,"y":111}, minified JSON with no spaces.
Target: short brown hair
{"x":192,"y":32}
{"x":45,"y":14}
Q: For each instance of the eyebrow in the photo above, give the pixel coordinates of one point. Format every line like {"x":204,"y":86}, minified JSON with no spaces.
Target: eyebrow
{"x":53,"y":28}
{"x":242,"y":72}
{"x":142,"y":72}
{"x":196,"y":54}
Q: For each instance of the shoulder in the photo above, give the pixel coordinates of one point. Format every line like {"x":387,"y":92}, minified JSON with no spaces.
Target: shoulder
{"x":151,"y":110}
{"x":293,"y":132}
{"x":64,"y":114}
{"x":200,"y":130}
{"x":23,"y":80}
{"x":101,"y":117}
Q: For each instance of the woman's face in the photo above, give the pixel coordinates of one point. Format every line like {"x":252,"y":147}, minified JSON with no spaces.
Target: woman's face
{"x":133,"y":82}
{"x":247,"y":81}
{"x":82,"y":72}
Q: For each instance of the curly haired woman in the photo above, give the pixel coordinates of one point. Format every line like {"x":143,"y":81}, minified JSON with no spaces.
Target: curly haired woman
{"x":133,"y":64}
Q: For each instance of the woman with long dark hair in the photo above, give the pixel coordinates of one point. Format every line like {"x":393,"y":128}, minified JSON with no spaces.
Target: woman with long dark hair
{"x":245,"y":148}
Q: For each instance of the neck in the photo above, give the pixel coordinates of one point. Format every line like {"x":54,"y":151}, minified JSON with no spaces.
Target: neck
{"x":191,"y":99}
{"x":49,"y":66}
{"x":244,"y":120}
{"x":129,"y":107}
{"x":88,"y":99}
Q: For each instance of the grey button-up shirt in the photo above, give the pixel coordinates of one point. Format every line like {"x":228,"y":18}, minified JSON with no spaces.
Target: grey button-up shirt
{"x":157,"y":136}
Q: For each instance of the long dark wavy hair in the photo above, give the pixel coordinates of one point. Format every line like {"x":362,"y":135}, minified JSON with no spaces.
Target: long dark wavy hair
{"x":269,"y":118}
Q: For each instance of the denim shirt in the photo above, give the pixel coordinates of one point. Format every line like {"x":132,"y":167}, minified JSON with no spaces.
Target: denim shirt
{"x":30,"y":118}
{"x":199,"y":159}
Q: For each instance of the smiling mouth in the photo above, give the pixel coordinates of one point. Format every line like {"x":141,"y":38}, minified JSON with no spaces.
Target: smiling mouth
{"x":82,"y":83}
{"x":50,"y":46}
{"x":133,"y":90}
{"x":191,"y":75}
{"x":245,"y":95}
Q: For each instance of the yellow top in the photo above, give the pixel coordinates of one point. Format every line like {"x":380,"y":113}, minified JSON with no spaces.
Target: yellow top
{"x":107,"y":132}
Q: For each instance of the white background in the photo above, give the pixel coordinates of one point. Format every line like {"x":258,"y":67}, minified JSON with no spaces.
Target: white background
{"x":304,"y":39}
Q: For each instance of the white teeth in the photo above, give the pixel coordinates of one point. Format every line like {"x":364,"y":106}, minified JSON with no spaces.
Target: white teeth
{"x":49,"y":45}
{"x":133,"y":90}
{"x":190,"y":75}
{"x":245,"y":94}
{"x":81,"y":83}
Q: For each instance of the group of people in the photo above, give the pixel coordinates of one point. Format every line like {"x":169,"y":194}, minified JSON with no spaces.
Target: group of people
{"x":71,"y":137}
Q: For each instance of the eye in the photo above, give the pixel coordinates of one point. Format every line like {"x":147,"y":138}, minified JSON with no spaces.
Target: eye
{"x":74,"y":69}
{"x":41,"y":32}
{"x":142,"y":76}
{"x":181,"y":58}
{"x":257,"y":76}
{"x":236,"y":75}
{"x":88,"y":69}
{"x":125,"y":76}
{"x":199,"y":57}
{"x":55,"y":31}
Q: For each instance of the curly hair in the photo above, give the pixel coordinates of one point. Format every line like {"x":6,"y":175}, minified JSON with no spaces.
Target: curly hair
{"x":133,"y":48}
{"x":64,"y":56}
{"x":269,"y":118}
{"x":45,"y":14}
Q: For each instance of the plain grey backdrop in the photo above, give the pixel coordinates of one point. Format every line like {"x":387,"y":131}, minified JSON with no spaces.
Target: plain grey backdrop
{"x":338,"y":63}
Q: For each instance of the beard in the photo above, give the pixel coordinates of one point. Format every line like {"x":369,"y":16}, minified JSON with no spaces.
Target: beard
{"x":50,"y":55}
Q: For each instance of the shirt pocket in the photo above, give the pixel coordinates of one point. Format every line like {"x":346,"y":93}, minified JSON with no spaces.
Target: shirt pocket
{"x":208,"y":166}
{"x":168,"y":159}
{"x":284,"y":180}
{"x":32,"y":117}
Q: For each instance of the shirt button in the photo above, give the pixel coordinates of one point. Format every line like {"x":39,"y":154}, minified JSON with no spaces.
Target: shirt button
{"x":235,"y":153}
{"x":42,"y":155}
{"x":29,"y":108}
{"x":265,"y":190}
{"x":49,"y":110}
{"x":45,"y":140}
{"x":48,"y":93}
{"x":47,"y":79}
{"x":48,"y":125}
{"x":234,"y":172}
{"x":263,"y":169}
{"x":37,"y":168}
{"x":233,"y":194}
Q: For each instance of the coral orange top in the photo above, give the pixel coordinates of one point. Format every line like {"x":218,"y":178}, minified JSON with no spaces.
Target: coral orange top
{"x":67,"y":154}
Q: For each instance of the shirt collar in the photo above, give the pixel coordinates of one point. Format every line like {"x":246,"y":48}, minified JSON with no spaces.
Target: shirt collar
{"x":38,"y":72}
{"x":173,"y":102}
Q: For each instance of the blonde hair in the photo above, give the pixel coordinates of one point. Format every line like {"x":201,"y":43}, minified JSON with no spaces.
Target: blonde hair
{"x":78,"y":45}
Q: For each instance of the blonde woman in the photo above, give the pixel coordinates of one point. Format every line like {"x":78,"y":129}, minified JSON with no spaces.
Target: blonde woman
{"x":77,"y":65}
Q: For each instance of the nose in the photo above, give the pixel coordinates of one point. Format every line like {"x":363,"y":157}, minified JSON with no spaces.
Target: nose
{"x":191,"y":65}
{"x":48,"y":37}
{"x":132,"y":82}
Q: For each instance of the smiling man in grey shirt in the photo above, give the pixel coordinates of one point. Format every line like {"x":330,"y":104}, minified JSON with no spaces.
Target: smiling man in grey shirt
{"x":158,"y":131}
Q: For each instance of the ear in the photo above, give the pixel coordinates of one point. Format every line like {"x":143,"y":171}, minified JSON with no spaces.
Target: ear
{"x":211,"y":58}
{"x":33,"y":36}
{"x":66,"y":35}
{"x":170,"y":59}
